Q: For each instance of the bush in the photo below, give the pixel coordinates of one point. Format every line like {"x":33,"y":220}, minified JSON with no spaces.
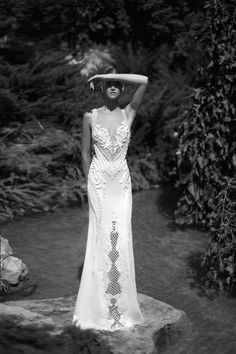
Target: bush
{"x":99,"y":21}
{"x":220,"y":257}
{"x":40,"y":168}
{"x":39,"y":172}
{"x":40,"y":135}
{"x":207,"y":135}
{"x":45,"y":93}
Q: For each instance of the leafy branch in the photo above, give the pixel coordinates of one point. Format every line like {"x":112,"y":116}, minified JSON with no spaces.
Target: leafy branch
{"x":220,"y":258}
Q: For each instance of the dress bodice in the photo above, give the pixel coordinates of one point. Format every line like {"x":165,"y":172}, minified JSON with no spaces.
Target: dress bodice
{"x":110,"y":147}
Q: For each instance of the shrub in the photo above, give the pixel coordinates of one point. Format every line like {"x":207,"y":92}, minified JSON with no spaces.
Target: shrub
{"x":38,"y":172}
{"x":40,"y":167}
{"x":207,"y":135}
{"x":40,"y":135}
{"x":98,"y":21}
{"x":220,"y":257}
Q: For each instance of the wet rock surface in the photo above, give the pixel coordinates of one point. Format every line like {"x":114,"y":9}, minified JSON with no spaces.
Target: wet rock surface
{"x":163,"y":324}
{"x":15,"y":279}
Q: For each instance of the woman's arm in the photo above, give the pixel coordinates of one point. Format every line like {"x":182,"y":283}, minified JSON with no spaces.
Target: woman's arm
{"x":132,"y":108}
{"x":125,"y":78}
{"x":86,"y":137}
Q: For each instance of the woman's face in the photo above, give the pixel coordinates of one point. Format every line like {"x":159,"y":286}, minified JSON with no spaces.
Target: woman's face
{"x":112,"y":89}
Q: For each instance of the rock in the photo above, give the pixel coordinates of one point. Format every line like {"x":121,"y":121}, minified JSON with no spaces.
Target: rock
{"x":163,"y":324}
{"x":13,"y":269}
{"x":25,"y":287}
{"x":6,"y":250}
{"x":14,"y":273}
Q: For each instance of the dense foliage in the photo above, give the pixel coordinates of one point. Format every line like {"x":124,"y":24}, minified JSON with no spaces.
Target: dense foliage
{"x":220,"y":258}
{"x":42,"y":103}
{"x":206,"y":151}
{"x":39,"y":158}
{"x":44,"y":96}
{"x":206,"y":154}
{"x":101,"y":20}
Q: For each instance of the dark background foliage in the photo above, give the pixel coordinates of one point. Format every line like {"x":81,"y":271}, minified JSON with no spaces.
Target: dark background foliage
{"x":101,"y":20}
{"x":206,"y":151}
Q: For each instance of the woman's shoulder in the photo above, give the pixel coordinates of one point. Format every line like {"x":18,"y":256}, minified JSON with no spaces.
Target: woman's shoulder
{"x":88,"y":115}
{"x":100,"y":109}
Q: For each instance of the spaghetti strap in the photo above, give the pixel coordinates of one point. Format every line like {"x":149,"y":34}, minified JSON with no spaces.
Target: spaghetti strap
{"x":94,"y":117}
{"x":94,"y":114}
{"x":124,"y":114}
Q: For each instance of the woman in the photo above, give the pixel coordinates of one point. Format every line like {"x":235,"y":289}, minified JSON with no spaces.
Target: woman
{"x":107,"y":297}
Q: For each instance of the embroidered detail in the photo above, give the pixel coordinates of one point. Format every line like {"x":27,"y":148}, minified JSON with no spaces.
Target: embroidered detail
{"x":112,"y":168}
{"x":114,"y":275}
{"x":114,"y":313}
{"x":97,"y":179}
{"x":97,"y":211}
{"x":113,"y":146}
{"x":125,"y":181}
{"x":114,"y":288}
{"x":120,"y":137}
{"x":110,"y":135}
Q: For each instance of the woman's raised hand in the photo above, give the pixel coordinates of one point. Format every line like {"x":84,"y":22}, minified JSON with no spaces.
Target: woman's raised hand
{"x":104,"y":77}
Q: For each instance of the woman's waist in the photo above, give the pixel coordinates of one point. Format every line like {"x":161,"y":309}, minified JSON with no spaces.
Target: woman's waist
{"x":102,"y":163}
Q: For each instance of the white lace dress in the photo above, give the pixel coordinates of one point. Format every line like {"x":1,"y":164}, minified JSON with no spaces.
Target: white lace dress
{"x":107,"y":296}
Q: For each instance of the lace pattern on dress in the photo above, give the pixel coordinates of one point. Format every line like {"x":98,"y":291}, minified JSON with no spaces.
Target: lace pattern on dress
{"x":125,"y":181}
{"x":114,"y":146}
{"x":115,"y":277}
{"x":109,"y":150}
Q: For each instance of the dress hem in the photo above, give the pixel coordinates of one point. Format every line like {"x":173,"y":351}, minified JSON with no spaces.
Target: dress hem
{"x":76,"y":323}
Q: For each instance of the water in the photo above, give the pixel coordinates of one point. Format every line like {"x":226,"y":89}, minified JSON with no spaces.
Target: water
{"x":167,"y":265}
